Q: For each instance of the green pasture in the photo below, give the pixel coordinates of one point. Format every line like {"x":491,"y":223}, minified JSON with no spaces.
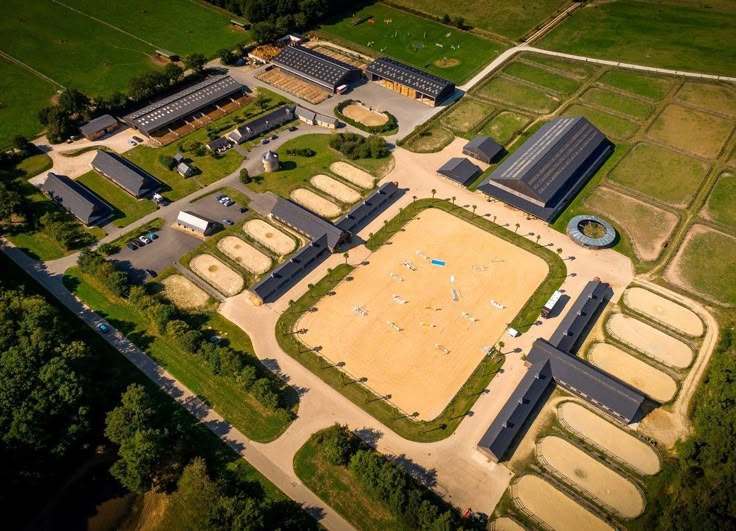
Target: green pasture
{"x":612,"y":126}
{"x":618,"y":102}
{"x":647,"y":86}
{"x":505,"y":126}
{"x":717,"y":98}
{"x":578,"y":69}
{"x":542,"y":77}
{"x":707,"y":263}
{"x":722,"y":201}
{"x":466,"y":115}
{"x":691,"y":130}
{"x":430,"y":140}
{"x":508,"y":91}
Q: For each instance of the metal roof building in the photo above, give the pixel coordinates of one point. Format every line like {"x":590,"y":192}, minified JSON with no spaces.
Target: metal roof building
{"x":77,"y":199}
{"x":195,"y":222}
{"x":483,"y":148}
{"x":262,"y":124}
{"x":584,"y":312}
{"x":367,"y":208}
{"x":410,"y":81}
{"x":316,"y":67}
{"x":99,"y":126}
{"x":460,"y":170}
{"x":183,"y":103}
{"x":546,"y":172}
{"x":134,"y":180}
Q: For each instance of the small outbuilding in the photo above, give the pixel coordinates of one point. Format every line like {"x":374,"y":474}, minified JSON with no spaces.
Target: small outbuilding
{"x":460,"y":170}
{"x":219,"y":145}
{"x":99,"y":127}
{"x":178,"y":158}
{"x":195,"y":223}
{"x":184,"y":169}
{"x":483,"y":148}
{"x":270,"y":161}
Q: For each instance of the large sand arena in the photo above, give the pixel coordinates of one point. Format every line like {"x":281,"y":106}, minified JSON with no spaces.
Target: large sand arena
{"x":591,"y":476}
{"x":335,"y":188}
{"x":664,"y":310}
{"x":269,"y":237}
{"x":407,"y":364}
{"x":183,"y":292}
{"x":552,"y":507}
{"x":505,"y":524}
{"x":244,"y":254}
{"x":315,"y":203}
{"x":354,"y":175}
{"x":218,"y":274}
{"x":653,"y":382}
{"x":650,"y":341}
{"x":361,"y":113}
{"x":613,"y":440}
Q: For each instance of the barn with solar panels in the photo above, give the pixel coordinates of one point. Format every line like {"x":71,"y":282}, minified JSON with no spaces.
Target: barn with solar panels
{"x":410,"y":81}
{"x":316,"y":68}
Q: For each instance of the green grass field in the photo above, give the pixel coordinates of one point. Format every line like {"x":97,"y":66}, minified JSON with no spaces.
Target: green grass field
{"x":722,"y":201}
{"x":22,"y":95}
{"x":718,"y":98}
{"x":508,"y":19}
{"x":127,"y":208}
{"x":649,"y":33}
{"x":519,"y":95}
{"x":608,"y":123}
{"x":661,"y":173}
{"x":618,"y":102}
{"x":647,"y":86}
{"x":466,"y":115}
{"x":413,"y":40}
{"x":576,"y":69}
{"x":706,"y":264}
{"x":505,"y":126}
{"x":691,"y":130}
{"x":433,"y":139}
{"x":542,"y":77}
{"x":181,"y":26}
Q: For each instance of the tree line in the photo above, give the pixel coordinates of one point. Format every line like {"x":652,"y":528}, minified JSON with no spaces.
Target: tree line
{"x":355,"y":146}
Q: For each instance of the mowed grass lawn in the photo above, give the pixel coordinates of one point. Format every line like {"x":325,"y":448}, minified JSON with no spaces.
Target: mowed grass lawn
{"x":722,"y":200}
{"x":542,"y":77}
{"x":707,"y":263}
{"x":506,"y":90}
{"x":127,"y":208}
{"x":413,"y":40}
{"x":467,"y":114}
{"x":22,"y":95}
{"x":698,"y":132}
{"x":618,"y":102}
{"x":509,"y":19}
{"x":649,"y":33}
{"x":181,"y":26}
{"x":647,"y":86}
{"x":661,"y":173}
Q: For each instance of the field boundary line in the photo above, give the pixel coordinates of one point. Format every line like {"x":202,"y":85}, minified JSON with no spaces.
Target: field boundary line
{"x":30,"y":69}
{"x":100,"y":21}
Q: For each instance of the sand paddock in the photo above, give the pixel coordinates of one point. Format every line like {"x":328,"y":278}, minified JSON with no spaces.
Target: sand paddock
{"x":244,"y":254}
{"x":315,"y":203}
{"x":218,"y":274}
{"x":407,"y":364}
{"x":613,"y":440}
{"x":354,"y":175}
{"x":361,"y":113}
{"x":335,"y":189}
{"x":650,"y":341}
{"x":183,"y":292}
{"x":505,"y":524}
{"x":591,"y":476}
{"x":552,"y":507}
{"x":653,"y":382}
{"x":664,"y":310}
{"x":269,"y":237}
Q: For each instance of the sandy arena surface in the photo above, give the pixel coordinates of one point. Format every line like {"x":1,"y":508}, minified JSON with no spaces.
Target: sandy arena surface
{"x":664,"y":310}
{"x":592,"y":476}
{"x":406,"y":364}
{"x":552,"y":507}
{"x":183,"y":292}
{"x":653,"y":382}
{"x":315,"y":203}
{"x":354,"y":175}
{"x":505,"y":524}
{"x":361,"y":113}
{"x":650,"y":341}
{"x":244,"y":254}
{"x":269,"y":237}
{"x":613,"y":440}
{"x":335,"y":188}
{"x":218,"y":274}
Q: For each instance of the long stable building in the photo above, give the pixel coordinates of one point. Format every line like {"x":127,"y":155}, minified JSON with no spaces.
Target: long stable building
{"x":546,"y":173}
{"x":134,"y":180}
{"x":184,"y":103}
{"x":316,"y":68}
{"x":410,"y":81}
{"x":76,"y":199}
{"x":262,"y":124}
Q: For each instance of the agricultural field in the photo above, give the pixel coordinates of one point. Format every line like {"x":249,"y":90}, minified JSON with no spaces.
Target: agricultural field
{"x":618,"y":102}
{"x":694,"y":131}
{"x":508,"y":19}
{"x":506,"y":90}
{"x":611,"y":125}
{"x":505,"y":126}
{"x":717,"y":98}
{"x":127,"y":208}
{"x":544,"y":78}
{"x":414,"y":40}
{"x":722,"y":201}
{"x":649,"y":33}
{"x":644,"y":85}
{"x":467,"y":115}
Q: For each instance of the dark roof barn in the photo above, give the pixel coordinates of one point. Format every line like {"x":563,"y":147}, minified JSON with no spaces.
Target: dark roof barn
{"x":316,"y":67}
{"x":483,"y":148}
{"x":77,"y":199}
{"x":460,"y":170}
{"x":423,"y":82}
{"x":134,"y":180}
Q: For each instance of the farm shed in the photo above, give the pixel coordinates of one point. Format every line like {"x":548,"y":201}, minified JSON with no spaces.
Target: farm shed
{"x":483,"y":148}
{"x":195,"y":223}
{"x":316,"y":68}
{"x":459,"y":170}
{"x":99,"y":126}
{"x":410,"y":81}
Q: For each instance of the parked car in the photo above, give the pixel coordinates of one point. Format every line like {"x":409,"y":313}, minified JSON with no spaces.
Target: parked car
{"x":229,"y":202}
{"x":243,"y":210}
{"x":152,"y":235}
{"x":102,"y":327}
{"x":138,"y":139}
{"x":131,"y":246}
{"x":228,"y":221}
{"x":264,"y":141}
{"x":274,"y":137}
{"x":293,"y":128}
{"x":150,"y":273}
{"x":132,"y":142}
{"x":224,"y":199}
{"x":144,"y":239}
{"x":219,"y":197}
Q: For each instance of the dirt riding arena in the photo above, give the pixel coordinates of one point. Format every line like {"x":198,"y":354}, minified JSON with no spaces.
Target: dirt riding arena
{"x":294,"y":85}
{"x":653,"y":382}
{"x":397,"y":323}
{"x":364,"y":115}
{"x":664,"y":310}
{"x":335,"y":189}
{"x":591,"y":476}
{"x":244,"y":254}
{"x":183,"y":292}
{"x":505,"y":524}
{"x":553,"y":508}
{"x":340,"y":55}
{"x":356,"y":176}
{"x":650,"y":341}
{"x":269,"y":236}
{"x":613,"y":440}
{"x":218,"y":274}
{"x":315,"y":203}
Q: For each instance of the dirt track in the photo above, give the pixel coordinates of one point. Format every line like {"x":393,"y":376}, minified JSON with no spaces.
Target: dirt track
{"x":315,"y":203}
{"x":633,"y":371}
{"x":269,"y":236}
{"x":244,"y":254}
{"x":335,"y":189}
{"x":650,"y":341}
{"x":615,"y":441}
{"x":664,"y":310}
{"x":354,"y":175}
{"x":551,"y":506}
{"x":218,"y":274}
{"x":183,"y":292}
{"x":361,"y":113}
{"x":591,"y":476}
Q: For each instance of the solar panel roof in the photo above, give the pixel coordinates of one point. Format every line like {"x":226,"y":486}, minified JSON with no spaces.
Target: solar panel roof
{"x":314,"y":65}
{"x":424,"y":82}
